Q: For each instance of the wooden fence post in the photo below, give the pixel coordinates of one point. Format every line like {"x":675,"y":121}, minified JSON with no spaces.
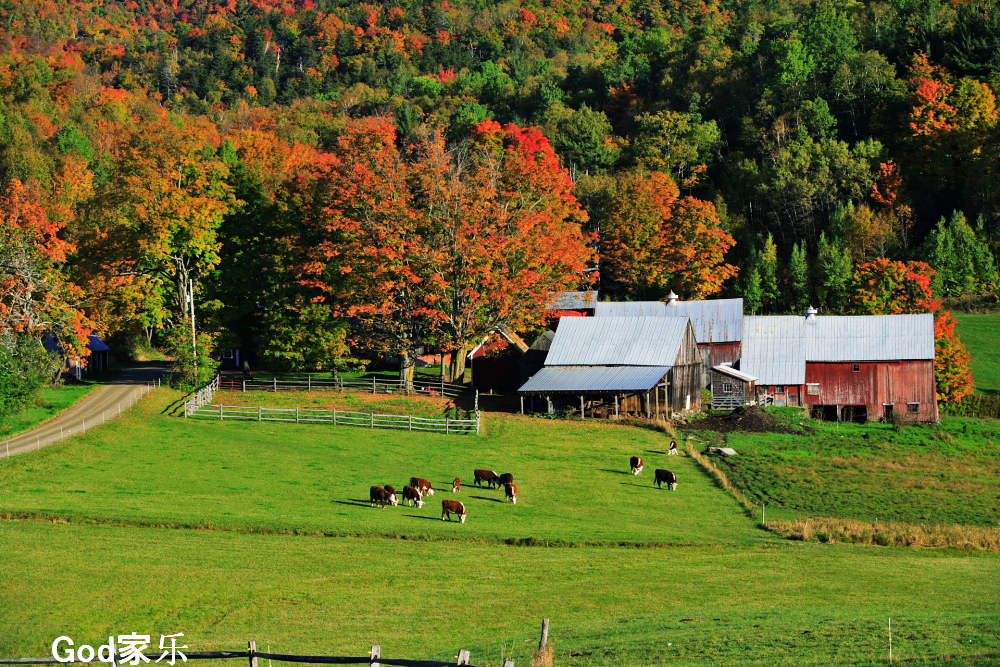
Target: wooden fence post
{"x":244,"y":385}
{"x":260,"y":413}
{"x":447,"y":423}
{"x":376,"y":654}
{"x":221,"y":408}
{"x":373,"y":384}
{"x":275,"y":383}
{"x":296,"y":414}
{"x":522,"y":404}
{"x":545,"y":634}
{"x":335,"y":416}
{"x":463,"y":657}
{"x":309,"y":382}
{"x":409,"y":420}
{"x":373,"y":419}
{"x":508,"y":663}
{"x":252,"y":652}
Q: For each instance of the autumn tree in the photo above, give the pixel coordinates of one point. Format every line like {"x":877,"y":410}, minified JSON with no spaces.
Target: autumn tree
{"x":887,"y":287}
{"x":653,"y":240}
{"x":439,"y":242}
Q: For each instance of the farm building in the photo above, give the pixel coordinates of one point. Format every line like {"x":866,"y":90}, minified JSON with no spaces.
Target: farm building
{"x":496,"y":362}
{"x":732,"y":388}
{"x":612,"y":366}
{"x":853,"y":368}
{"x":98,"y":361}
{"x":573,"y":303}
{"x":718,"y":323}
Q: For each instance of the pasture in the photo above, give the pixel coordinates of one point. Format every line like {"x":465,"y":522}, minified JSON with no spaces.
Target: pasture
{"x":871,"y":472}
{"x":51,"y":401}
{"x":981,"y":333}
{"x":242,"y":530}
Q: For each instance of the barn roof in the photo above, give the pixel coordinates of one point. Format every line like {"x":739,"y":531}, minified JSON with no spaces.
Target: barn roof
{"x":777,"y":347}
{"x":544,"y":341}
{"x":726,"y":369}
{"x":595,"y":378}
{"x":573,"y":300}
{"x":617,"y":341}
{"x":714,"y":320}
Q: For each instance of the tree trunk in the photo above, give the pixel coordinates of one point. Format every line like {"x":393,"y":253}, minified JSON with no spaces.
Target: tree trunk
{"x":406,"y":365}
{"x":456,"y":370}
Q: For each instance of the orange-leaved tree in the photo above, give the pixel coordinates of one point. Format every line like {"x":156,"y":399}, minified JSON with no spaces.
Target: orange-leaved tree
{"x":438,"y":243}
{"x":654,"y":240}
{"x":887,"y":287}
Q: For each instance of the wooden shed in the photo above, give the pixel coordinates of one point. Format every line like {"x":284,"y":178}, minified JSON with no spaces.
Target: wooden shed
{"x":732,"y":388}
{"x":615,"y":366}
{"x":851,"y":368}
{"x":496,"y":361}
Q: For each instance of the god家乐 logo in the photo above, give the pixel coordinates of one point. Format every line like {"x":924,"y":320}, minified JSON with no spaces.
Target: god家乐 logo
{"x":123,"y":649}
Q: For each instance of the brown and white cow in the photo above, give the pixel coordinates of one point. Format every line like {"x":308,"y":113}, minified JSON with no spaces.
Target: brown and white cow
{"x":423,"y":485}
{"x":665,"y":477}
{"x":391,"y":490}
{"x":449,"y":507}
{"x":378,"y":496}
{"x":636,"y":464}
{"x":510,"y":490}
{"x":481,"y":475}
{"x":506,"y":478}
{"x":456,"y":486}
{"x":673,"y":448}
{"x":413,"y":496}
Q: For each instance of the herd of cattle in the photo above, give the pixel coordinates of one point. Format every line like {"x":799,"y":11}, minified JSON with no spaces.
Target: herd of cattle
{"x":660,"y":476}
{"x":414,"y":493}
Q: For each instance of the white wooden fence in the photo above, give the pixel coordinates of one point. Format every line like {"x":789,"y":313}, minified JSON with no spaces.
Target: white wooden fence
{"x":201,"y":397}
{"x":335,"y":417}
{"x":373,"y":385}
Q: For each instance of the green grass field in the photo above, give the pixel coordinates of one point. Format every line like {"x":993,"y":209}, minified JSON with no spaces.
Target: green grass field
{"x":923,"y":474}
{"x":51,"y":401}
{"x":981,"y":334}
{"x":98,"y":539}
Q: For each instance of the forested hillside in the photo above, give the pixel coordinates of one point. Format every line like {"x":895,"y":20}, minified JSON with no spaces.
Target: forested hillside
{"x":322,"y":178}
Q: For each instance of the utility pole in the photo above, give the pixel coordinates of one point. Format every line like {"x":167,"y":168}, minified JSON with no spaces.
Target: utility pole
{"x":194,"y":338}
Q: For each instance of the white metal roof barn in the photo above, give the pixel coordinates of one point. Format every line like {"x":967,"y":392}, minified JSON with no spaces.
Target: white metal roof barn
{"x":714,"y":320}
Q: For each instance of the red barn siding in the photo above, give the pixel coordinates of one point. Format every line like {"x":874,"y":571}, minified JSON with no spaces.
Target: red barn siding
{"x":874,"y":385}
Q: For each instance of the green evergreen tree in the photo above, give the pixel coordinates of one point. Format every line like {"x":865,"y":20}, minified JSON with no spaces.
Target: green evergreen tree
{"x":834,"y":273}
{"x":965,"y":266}
{"x":798,"y":274}
{"x":767,"y":265}
{"x":751,"y":292}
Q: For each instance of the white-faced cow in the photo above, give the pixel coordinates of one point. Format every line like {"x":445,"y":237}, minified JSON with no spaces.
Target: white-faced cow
{"x":673,"y":448}
{"x":392,"y":499}
{"x":510,"y":490}
{"x":665,"y":477}
{"x":423,"y":485}
{"x":456,"y":486}
{"x":378,"y":496}
{"x":413,"y":496}
{"x":481,"y":475}
{"x":449,"y":507}
{"x":506,"y":478}
{"x":636,"y":464}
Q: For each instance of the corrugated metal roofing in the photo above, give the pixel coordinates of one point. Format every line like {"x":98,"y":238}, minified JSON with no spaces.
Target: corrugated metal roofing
{"x":96,"y":344}
{"x":573,"y":300}
{"x":732,"y":372}
{"x":776,"y":347}
{"x":617,"y":341}
{"x":595,"y":378}
{"x":714,"y":320}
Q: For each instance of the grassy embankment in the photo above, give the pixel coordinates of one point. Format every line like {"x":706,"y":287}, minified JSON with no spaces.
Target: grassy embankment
{"x":981,"y":334}
{"x":732,"y":593}
{"x":51,"y":401}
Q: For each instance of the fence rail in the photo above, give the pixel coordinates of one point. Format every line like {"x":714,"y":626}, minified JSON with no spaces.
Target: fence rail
{"x":335,"y":417}
{"x":201,"y":397}
{"x":375,"y":658}
{"x":730,"y":402}
{"x":374,"y":385}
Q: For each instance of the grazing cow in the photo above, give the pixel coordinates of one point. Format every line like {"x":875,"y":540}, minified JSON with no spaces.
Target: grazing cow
{"x":510,"y":490}
{"x":665,"y":477}
{"x":489,"y":476}
{"x":506,"y":478}
{"x":378,"y":496}
{"x":456,"y":486}
{"x":414,"y":496}
{"x":636,"y":463}
{"x":673,"y":448}
{"x":423,"y":485}
{"x":449,"y":507}
{"x":391,"y":490}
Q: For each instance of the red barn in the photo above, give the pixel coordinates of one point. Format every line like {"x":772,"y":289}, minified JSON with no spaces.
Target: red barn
{"x":852,"y":368}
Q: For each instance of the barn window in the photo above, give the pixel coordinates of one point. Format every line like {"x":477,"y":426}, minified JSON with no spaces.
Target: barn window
{"x":812,"y":389}
{"x":729,"y":387}
{"x":913,"y":408}
{"x":780,"y":389}
{"x":857,"y":368}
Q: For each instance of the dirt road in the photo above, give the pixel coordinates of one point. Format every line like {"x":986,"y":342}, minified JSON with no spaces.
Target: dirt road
{"x":104,"y":403}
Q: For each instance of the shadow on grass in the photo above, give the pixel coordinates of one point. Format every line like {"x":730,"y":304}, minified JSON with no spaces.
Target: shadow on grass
{"x":618,"y":472}
{"x":655,"y":451}
{"x":352,"y":501}
{"x":641,"y":486}
{"x":496,"y":500}
{"x":420,"y":516}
